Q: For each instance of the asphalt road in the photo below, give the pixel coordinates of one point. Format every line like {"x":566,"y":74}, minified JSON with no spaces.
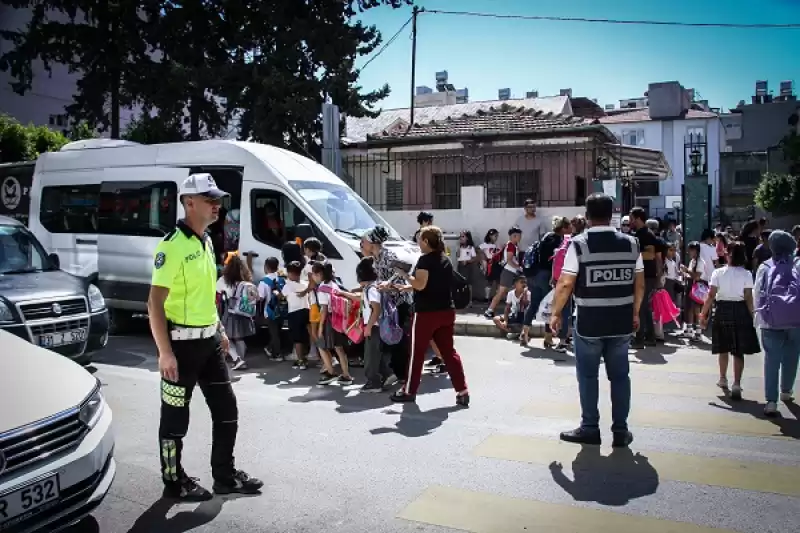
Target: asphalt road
{"x":335,"y":460}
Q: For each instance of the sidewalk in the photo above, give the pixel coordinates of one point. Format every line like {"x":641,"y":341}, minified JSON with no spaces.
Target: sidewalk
{"x":471,"y":322}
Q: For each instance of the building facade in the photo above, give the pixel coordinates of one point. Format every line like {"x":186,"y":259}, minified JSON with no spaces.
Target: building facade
{"x":669,"y":122}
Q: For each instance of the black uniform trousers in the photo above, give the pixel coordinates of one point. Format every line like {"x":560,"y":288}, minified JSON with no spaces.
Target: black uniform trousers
{"x":200,"y":362}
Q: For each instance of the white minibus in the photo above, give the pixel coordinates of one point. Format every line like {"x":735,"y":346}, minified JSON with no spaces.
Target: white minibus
{"x":103,"y":205}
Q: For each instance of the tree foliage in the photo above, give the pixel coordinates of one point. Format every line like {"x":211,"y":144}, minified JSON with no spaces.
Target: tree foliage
{"x":197,"y":64}
{"x":780,"y":193}
{"x":147,"y":129}
{"x":25,"y":143}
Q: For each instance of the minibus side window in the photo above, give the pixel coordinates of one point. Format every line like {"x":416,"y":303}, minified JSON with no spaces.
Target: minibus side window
{"x":275,"y":219}
{"x":70,"y":208}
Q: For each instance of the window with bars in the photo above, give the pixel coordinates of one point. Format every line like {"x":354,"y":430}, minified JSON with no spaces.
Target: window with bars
{"x":746,"y":178}
{"x":501,"y":188}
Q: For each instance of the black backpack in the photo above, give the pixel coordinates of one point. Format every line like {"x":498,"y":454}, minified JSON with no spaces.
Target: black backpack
{"x":461,"y":291}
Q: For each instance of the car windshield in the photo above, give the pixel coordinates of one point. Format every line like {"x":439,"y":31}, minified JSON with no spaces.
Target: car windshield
{"x":341,"y":208}
{"x":20,"y":252}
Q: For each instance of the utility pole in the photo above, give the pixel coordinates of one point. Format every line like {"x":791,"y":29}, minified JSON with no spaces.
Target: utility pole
{"x":414,"y":14}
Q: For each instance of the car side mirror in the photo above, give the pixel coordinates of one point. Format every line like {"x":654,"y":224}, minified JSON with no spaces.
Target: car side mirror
{"x":304,"y":231}
{"x":55,"y":262}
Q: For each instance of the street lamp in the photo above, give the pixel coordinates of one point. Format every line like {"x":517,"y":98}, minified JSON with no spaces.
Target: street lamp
{"x":696,"y":159}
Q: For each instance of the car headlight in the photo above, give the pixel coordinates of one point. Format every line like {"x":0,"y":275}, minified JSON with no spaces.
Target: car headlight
{"x":6,"y":317}
{"x":92,"y":408}
{"x":96,"y":300}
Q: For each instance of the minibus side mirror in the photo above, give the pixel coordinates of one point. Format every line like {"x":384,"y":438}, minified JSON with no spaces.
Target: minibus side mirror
{"x":304,"y":231}
{"x":55,"y":262}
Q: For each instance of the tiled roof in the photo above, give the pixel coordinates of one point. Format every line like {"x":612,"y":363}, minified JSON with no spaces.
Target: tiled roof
{"x":493,"y":121}
{"x":642,"y":114}
{"x":358,"y":128}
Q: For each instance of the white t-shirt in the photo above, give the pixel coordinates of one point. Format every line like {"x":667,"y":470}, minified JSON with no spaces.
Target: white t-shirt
{"x":514,"y":301}
{"x":224,"y":288}
{"x":570,"y":266}
{"x":708,"y":254}
{"x":672,"y":269}
{"x":369,"y":295}
{"x":731,"y":283}
{"x":293,"y":301}
{"x":324,"y":298}
{"x":488,"y":250}
{"x":466,"y":253}
{"x":705,"y":269}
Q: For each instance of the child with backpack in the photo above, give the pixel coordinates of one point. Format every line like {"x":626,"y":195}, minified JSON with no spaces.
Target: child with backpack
{"x":297,"y":313}
{"x":732,"y":331}
{"x":777,"y":295}
{"x":327,"y":339}
{"x":510,"y":271}
{"x":274,"y":304}
{"x":491,"y":262}
{"x":240,"y":304}
{"x":468,"y":258}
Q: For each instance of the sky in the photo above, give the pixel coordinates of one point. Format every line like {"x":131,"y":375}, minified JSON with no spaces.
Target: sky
{"x":603,"y":61}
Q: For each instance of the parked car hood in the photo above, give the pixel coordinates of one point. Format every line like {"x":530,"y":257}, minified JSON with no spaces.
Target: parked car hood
{"x":36,"y":383}
{"x":39,"y":286}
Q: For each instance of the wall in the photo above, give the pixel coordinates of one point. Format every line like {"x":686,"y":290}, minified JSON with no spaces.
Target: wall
{"x":558,"y":167}
{"x":669,"y":136}
{"x":472,"y":216}
{"x":50,"y":92}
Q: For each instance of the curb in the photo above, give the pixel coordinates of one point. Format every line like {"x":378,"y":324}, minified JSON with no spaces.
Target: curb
{"x":477,"y":326}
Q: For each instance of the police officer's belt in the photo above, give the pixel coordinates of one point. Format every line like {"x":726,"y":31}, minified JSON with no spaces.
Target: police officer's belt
{"x":183,"y":333}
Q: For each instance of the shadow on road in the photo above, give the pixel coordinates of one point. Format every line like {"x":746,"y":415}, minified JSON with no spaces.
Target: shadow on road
{"x":415,"y":423}
{"x":613,"y":479}
{"x":155,"y":518}
{"x":558,"y":358}
{"x":789,"y":427}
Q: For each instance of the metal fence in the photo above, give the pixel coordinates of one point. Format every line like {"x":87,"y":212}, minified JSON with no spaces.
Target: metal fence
{"x":433,"y":180}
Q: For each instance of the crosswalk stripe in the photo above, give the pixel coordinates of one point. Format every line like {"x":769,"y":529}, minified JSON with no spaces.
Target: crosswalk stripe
{"x":649,"y":386}
{"x":722,"y":421}
{"x":718,"y":471}
{"x":479,"y":512}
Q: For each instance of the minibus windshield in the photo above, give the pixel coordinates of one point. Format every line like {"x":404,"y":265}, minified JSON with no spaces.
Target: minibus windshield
{"x":341,"y":208}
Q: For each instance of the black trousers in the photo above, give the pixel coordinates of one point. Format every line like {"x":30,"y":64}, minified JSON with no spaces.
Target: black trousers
{"x":200,"y":362}
{"x":399,"y":352}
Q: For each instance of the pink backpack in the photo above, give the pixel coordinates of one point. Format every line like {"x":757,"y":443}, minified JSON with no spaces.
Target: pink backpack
{"x":558,"y":257}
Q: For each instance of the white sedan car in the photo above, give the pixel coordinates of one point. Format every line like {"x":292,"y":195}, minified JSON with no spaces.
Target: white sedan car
{"x":56,"y":440}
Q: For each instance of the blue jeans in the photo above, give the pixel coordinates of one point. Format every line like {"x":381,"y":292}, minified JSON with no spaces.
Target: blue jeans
{"x":614,"y":352}
{"x":781,"y":354}
{"x":539,"y":285}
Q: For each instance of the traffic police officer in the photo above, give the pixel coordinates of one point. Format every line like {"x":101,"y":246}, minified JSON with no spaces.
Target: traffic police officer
{"x":603,"y":267}
{"x":191,"y":346}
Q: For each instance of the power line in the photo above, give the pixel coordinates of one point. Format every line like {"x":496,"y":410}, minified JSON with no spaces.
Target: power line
{"x":790,"y":26}
{"x":386,"y":44}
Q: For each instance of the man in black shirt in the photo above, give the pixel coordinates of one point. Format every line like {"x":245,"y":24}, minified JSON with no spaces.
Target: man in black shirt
{"x":653,"y":266}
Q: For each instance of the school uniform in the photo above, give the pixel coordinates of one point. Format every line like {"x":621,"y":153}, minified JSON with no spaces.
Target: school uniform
{"x":297,"y":318}
{"x":732,"y":330}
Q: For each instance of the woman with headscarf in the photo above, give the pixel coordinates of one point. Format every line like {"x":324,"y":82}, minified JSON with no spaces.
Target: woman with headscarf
{"x":372,"y":245}
{"x":780,"y":334}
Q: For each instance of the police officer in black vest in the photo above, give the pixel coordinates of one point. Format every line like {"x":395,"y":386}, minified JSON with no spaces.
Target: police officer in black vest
{"x":603,"y":268}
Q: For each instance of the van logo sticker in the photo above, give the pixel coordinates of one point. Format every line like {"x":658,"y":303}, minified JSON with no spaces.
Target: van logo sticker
{"x":11,"y":193}
{"x":160,"y":259}
{"x":56,"y":309}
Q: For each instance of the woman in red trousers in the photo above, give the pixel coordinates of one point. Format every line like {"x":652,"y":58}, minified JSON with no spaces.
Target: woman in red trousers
{"x":434,"y":316}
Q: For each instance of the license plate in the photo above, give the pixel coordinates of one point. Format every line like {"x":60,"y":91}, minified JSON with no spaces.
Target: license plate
{"x":50,"y":340}
{"x":17,"y":506}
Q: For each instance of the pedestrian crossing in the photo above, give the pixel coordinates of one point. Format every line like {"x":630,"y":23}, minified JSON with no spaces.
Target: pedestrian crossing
{"x":666,"y":398}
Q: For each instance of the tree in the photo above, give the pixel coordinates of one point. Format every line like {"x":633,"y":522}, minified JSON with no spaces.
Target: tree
{"x":147,"y":129}
{"x":291,"y":56}
{"x":26,"y":143}
{"x":102,"y":41}
{"x":780,"y":193}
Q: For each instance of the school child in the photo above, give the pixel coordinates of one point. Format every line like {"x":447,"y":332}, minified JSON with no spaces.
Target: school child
{"x":491,"y":268}
{"x":297,"y":317}
{"x":673,"y":282}
{"x":269,"y":291}
{"x":510,"y":269}
{"x":329,"y":339}
{"x":312,"y":251}
{"x":233,"y":286}
{"x":468,"y":258}
{"x":517,"y":302}
{"x":694,"y":274}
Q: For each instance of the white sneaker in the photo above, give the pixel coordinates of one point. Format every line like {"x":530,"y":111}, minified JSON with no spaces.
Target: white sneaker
{"x":771,"y":409}
{"x":511,"y":336}
{"x":787,"y":397}
{"x":722,"y":383}
{"x":240,"y":365}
